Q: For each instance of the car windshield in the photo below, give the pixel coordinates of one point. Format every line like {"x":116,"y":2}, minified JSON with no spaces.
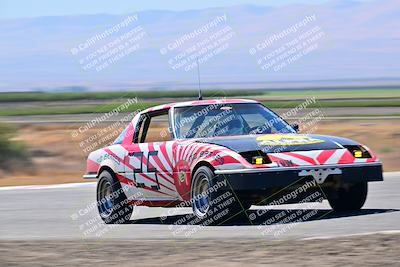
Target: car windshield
{"x":227,"y":119}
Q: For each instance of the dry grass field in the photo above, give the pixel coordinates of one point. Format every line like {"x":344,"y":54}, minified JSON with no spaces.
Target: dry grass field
{"x":60,"y":158}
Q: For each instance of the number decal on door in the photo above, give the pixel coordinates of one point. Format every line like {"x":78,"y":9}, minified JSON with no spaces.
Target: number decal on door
{"x":150,"y":168}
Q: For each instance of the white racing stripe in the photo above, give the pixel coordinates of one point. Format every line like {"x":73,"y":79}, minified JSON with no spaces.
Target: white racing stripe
{"x":93,"y":184}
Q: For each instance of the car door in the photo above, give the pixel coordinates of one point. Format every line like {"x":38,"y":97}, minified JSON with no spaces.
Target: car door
{"x":148,"y":161}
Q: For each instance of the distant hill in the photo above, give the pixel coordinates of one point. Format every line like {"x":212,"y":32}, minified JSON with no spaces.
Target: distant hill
{"x":360,"y":41}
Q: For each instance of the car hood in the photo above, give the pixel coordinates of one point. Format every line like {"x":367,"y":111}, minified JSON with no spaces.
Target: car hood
{"x":276,"y":143}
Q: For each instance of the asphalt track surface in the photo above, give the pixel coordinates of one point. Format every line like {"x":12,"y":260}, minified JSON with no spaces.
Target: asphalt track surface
{"x":67,"y":212}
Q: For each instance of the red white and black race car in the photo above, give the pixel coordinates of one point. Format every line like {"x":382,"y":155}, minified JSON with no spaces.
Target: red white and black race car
{"x":222,"y":156}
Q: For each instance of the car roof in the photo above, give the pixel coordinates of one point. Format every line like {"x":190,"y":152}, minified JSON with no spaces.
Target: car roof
{"x":199,"y":103}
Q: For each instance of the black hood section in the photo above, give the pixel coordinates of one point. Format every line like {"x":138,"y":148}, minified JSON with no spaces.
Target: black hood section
{"x":249,"y":143}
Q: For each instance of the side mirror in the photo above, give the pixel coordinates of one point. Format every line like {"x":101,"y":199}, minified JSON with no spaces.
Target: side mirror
{"x":296,"y":127}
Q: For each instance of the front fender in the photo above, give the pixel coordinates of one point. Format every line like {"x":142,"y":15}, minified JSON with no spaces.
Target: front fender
{"x":220,"y":158}
{"x":190,"y":155}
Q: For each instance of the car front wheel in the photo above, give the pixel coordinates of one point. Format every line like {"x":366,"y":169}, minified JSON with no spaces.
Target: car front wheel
{"x":349,"y":198}
{"x":213,"y":201}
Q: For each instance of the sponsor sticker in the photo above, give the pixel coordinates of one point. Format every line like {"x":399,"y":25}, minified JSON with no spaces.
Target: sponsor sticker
{"x":287,"y":140}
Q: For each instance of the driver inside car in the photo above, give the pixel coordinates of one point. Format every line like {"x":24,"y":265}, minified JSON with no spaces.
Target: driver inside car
{"x":233,"y":126}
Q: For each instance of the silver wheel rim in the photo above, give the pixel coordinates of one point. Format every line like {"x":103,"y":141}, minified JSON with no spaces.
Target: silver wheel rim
{"x":201,"y":198}
{"x":105,"y":197}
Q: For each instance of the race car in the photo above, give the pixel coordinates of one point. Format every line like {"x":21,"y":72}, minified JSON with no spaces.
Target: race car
{"x":222,"y":156}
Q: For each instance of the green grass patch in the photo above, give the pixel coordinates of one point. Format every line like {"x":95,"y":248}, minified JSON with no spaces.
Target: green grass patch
{"x":12,"y":153}
{"x":275,"y":94}
{"x":85,"y":109}
{"x":334,"y":94}
{"x":39,"y":96}
{"x":334,"y":104}
{"x":54,"y":110}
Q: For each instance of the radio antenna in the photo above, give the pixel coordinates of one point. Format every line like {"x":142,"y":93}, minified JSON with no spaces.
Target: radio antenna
{"x":198,"y":76}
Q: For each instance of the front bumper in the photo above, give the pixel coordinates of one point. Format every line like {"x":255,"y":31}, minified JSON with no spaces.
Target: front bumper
{"x":269,"y":178}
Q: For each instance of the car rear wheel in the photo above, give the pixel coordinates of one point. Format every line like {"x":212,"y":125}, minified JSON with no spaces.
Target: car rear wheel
{"x":349,"y":198}
{"x":112,"y":203}
{"x":212,"y":200}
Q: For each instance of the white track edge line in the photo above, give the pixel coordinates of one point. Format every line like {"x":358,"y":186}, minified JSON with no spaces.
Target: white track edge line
{"x":52,"y":186}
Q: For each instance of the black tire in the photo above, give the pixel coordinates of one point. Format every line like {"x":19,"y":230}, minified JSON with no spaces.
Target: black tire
{"x":223,"y":204}
{"x":350,"y":199}
{"x":112,"y":203}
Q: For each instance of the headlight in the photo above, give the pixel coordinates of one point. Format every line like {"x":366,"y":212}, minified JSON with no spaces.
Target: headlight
{"x":256,"y":157}
{"x":358,"y":151}
{"x":258,"y":160}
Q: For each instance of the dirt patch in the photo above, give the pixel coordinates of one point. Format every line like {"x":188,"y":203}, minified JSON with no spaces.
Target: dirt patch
{"x":382,"y":136}
{"x":370,"y":250}
{"x":61,"y":158}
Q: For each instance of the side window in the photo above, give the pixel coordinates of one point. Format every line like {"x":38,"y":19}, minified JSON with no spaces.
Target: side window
{"x":154,"y":127}
{"x":143,"y":122}
{"x":121,"y":137}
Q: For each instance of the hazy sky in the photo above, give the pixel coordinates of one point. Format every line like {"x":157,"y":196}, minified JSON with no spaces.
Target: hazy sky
{"x":37,"y":8}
